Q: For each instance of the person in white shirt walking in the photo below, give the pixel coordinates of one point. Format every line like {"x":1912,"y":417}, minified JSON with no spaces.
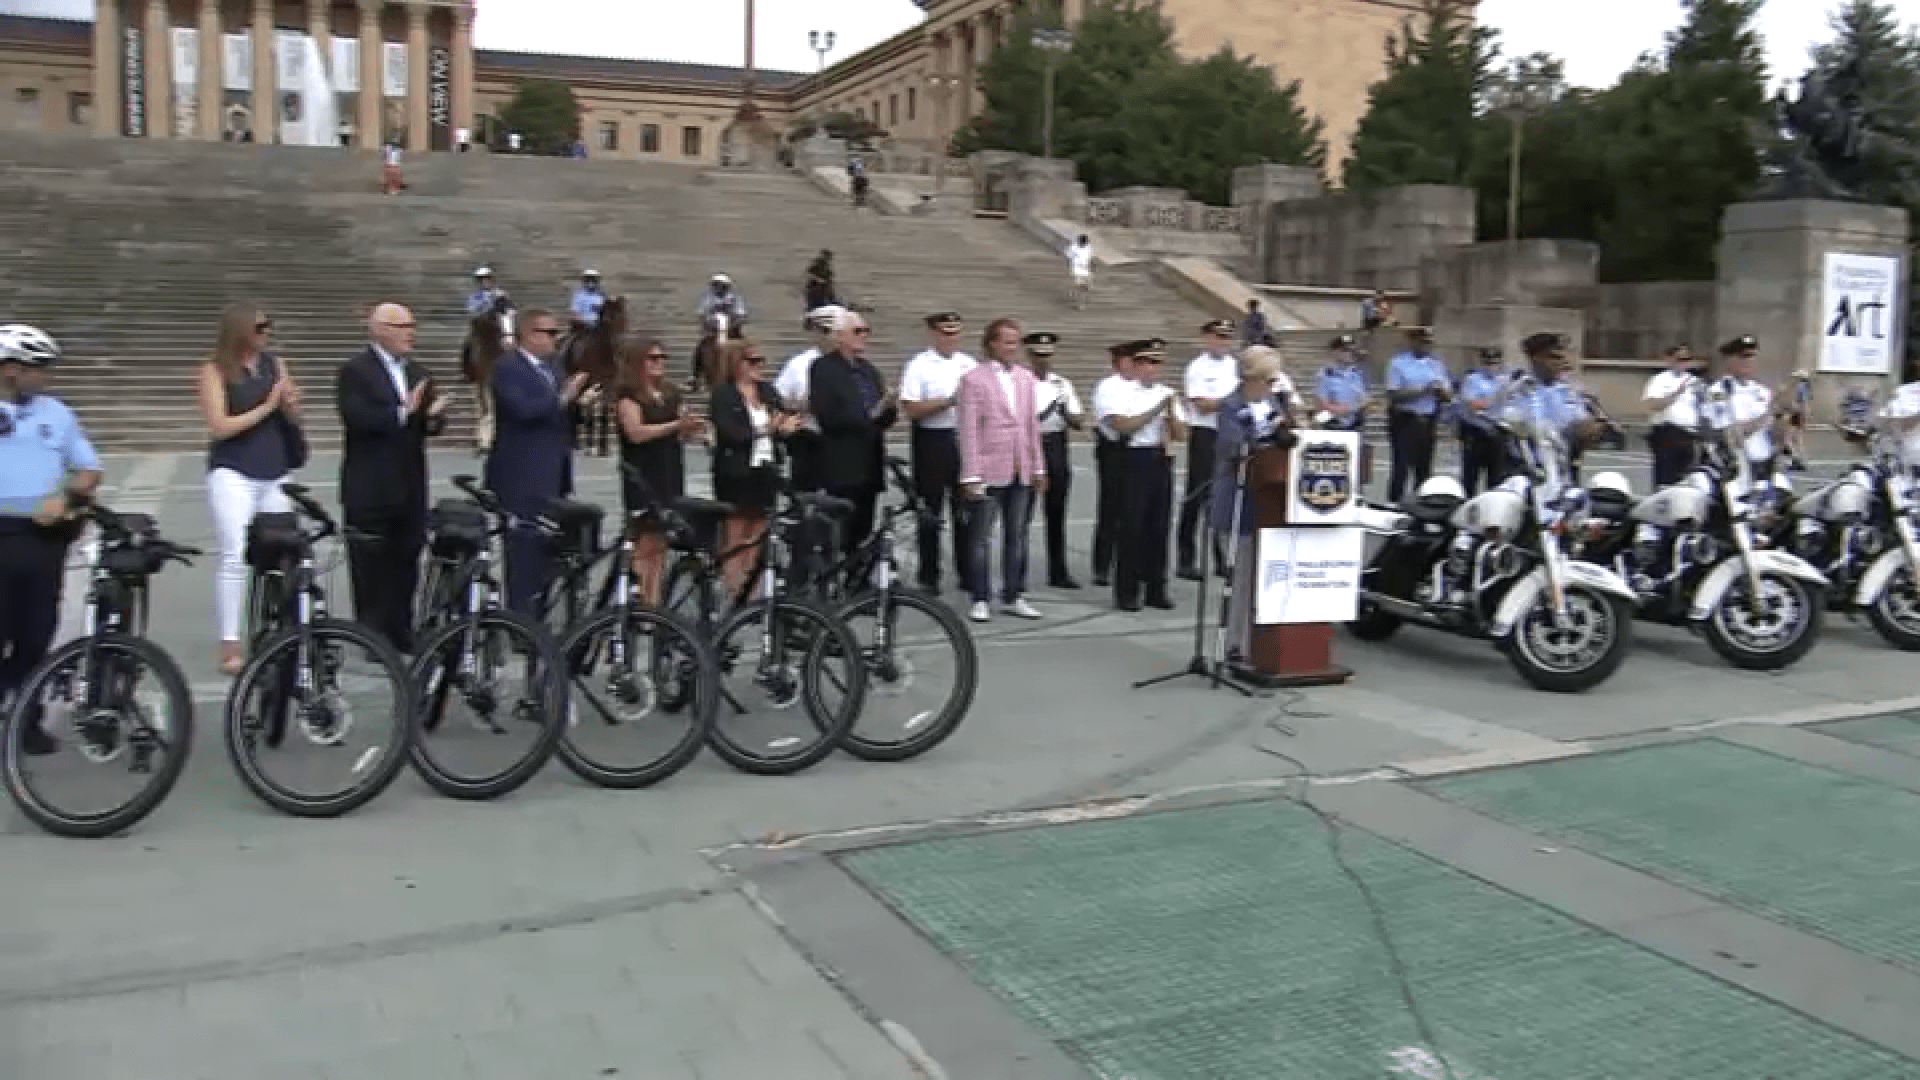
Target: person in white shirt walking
{"x":1211,"y":376}
{"x":1059,"y":409}
{"x":1674,"y":413}
{"x":1080,"y":265}
{"x":927,"y":389}
{"x":803,"y":446}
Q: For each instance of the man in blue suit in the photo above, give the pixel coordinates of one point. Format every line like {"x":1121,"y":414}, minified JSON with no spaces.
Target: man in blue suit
{"x":529,"y":463}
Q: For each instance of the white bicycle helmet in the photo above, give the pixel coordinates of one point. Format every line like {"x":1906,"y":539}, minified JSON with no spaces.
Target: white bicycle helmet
{"x":23,"y":344}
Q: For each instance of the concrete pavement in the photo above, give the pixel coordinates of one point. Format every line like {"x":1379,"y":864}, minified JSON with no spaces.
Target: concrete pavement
{"x":568,"y":931}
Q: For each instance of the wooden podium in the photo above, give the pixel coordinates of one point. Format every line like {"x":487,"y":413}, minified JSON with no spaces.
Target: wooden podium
{"x":1283,"y":654}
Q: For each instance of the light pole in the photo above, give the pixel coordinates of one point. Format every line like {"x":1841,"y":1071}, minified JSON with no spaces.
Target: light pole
{"x":821,"y":44}
{"x":940,"y":86}
{"x":1517,"y":93}
{"x":1053,"y":42}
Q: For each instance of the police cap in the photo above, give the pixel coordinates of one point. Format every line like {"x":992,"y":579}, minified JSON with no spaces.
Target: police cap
{"x":947,"y":322}
{"x":1219,"y":328}
{"x":1151,"y":350}
{"x":1041,"y":342}
{"x":1343,"y":341}
{"x":1745,"y":343}
{"x":1543,"y":343}
{"x":1491,"y":352}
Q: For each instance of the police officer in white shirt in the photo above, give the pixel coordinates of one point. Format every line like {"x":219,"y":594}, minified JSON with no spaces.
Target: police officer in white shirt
{"x":1742,"y":406}
{"x":1106,"y":464}
{"x":1145,"y":417}
{"x":1059,"y":409}
{"x":927,"y":388}
{"x":803,"y":446}
{"x":1901,"y":414}
{"x":1211,"y":376}
{"x":1673,"y":410}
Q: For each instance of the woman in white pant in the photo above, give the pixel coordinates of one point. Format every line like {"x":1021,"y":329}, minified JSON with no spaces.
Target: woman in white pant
{"x":252,"y":411}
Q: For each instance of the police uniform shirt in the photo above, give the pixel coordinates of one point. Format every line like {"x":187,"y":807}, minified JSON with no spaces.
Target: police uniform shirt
{"x":1212,"y":377}
{"x":1474,"y":385}
{"x":794,"y":380}
{"x":1745,"y":400}
{"x":1109,"y":393}
{"x":1410,"y":371}
{"x":1344,"y":384}
{"x":41,"y":444}
{"x":586,"y":305}
{"x":1684,"y":412}
{"x":932,"y":377}
{"x":1046,"y":393}
{"x":481,"y":301}
{"x":1904,"y":404}
{"x":1125,"y":397}
{"x":1554,"y":406}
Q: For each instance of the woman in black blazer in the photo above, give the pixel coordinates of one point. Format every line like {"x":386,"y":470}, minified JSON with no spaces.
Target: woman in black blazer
{"x":749,"y":421}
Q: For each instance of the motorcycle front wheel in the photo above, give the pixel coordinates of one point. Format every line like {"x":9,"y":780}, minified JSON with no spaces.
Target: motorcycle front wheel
{"x":1768,"y":634}
{"x":1575,"y":655}
{"x":1895,"y":613}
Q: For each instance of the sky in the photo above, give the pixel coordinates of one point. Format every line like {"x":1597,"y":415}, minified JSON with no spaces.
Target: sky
{"x":1598,"y":39}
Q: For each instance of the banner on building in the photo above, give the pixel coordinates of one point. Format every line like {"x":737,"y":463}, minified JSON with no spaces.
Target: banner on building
{"x":186,"y":80}
{"x":394,"y":69}
{"x":1859,"y":314}
{"x":346,"y":65}
{"x":236,"y":62}
{"x":440,"y":98}
{"x":290,"y":49}
{"x":133,"y":70}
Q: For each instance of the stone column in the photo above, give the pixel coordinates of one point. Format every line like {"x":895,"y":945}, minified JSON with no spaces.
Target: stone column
{"x":266,"y":113}
{"x":159,"y":49}
{"x":417,"y":119}
{"x":463,"y":67}
{"x":107,"y":44}
{"x":1071,"y":11}
{"x":371,"y":63}
{"x":211,"y":83}
{"x":968,"y":46}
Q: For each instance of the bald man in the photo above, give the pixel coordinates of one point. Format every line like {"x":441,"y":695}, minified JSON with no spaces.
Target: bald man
{"x":388,"y":408}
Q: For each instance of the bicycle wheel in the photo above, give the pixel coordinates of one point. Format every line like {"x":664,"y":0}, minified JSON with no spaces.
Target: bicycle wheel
{"x":793,"y":644}
{"x":343,"y":691}
{"x":624,"y":665}
{"x":911,"y":706}
{"x":115,"y":728}
{"x":509,"y":732}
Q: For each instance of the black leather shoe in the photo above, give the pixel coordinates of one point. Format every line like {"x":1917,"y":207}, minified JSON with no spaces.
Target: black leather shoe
{"x":1163,"y":603}
{"x":1101,"y":581}
{"x":1062,"y":581}
{"x":1188,"y":573}
{"x":1127,"y":605}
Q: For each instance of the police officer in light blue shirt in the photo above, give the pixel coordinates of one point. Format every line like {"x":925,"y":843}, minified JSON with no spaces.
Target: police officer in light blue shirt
{"x":45,"y":461}
{"x":1481,"y":454}
{"x":1342,"y":387}
{"x":486,"y":295}
{"x":1417,"y":386}
{"x":1548,"y":401}
{"x":587,"y":300}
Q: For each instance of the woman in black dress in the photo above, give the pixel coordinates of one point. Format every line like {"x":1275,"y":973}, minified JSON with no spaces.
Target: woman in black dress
{"x":748,"y":423}
{"x":654,"y":423}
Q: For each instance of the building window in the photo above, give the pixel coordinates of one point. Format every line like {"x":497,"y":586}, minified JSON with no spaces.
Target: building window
{"x":27,"y":107}
{"x":893,"y":108}
{"x":876,"y":112}
{"x":859,"y":112}
{"x":609,"y":135}
{"x":910,"y":102}
{"x":79,"y":108}
{"x":689,"y":142}
{"x":649,"y":138}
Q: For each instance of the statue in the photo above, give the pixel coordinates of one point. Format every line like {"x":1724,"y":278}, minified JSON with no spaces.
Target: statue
{"x":1822,"y":146}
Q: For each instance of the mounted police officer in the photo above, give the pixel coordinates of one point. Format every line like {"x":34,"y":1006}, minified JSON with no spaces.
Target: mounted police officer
{"x":486,"y":296}
{"x":46,"y":464}
{"x":587,"y":301}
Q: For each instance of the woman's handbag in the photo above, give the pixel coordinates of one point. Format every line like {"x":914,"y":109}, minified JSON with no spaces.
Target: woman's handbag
{"x":296,"y":442}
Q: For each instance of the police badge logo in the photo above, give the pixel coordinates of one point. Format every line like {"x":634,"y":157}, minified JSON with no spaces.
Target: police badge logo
{"x":1326,"y":476}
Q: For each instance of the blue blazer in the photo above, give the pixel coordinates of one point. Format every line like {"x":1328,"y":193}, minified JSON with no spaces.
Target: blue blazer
{"x":531,"y":461}
{"x":1232,"y":440}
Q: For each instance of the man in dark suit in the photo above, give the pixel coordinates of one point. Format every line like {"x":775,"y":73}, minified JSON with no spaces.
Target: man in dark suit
{"x":854,"y":409}
{"x":388,"y":409}
{"x":529,"y":464}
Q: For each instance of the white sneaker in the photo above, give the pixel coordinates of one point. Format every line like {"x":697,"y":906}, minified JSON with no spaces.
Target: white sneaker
{"x":1020,"y":609}
{"x":979,"y":613}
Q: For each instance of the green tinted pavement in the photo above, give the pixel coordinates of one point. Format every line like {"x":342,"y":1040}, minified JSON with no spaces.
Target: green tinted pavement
{"x":1822,"y":852}
{"x":1226,"y":944}
{"x":1898,"y":732}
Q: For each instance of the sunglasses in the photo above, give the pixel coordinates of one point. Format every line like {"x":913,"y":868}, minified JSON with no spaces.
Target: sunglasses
{"x":656,"y":356}
{"x":756,"y":359}
{"x":263,"y":326}
{"x":547,"y":330}
{"x":862,"y":331}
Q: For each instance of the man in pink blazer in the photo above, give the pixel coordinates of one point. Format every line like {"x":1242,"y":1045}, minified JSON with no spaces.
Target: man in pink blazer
{"x":1001,"y":468}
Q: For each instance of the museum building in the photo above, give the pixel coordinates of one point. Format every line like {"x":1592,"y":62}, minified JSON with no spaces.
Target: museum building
{"x":328,"y":71}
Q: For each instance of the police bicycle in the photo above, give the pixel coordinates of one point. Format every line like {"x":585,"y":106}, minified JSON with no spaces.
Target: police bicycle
{"x":88,"y":694}
{"x":772,"y":645}
{"x":501,"y":668}
{"x":636,"y":674}
{"x":319,"y":720}
{"x":907,"y":712}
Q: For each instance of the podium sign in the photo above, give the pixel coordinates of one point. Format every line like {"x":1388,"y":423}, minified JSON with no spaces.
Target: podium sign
{"x":1325,"y":466}
{"x":1309,"y":575}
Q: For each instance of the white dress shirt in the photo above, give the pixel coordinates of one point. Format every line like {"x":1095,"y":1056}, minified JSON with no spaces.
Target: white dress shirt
{"x":1746,"y":400}
{"x":1118,"y":396}
{"x":1904,"y":403}
{"x":1049,"y":390}
{"x":795,"y":379}
{"x":1005,"y":375}
{"x":1684,"y":412}
{"x":1109,"y":394}
{"x":397,"y":374}
{"x":1212,"y":377}
{"x":932,"y":377}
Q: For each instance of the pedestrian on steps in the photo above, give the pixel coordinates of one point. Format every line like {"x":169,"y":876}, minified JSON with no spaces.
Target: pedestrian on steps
{"x":390,"y":169}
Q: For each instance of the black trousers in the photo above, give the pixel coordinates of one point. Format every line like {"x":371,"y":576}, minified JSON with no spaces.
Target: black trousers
{"x":1200,"y":444}
{"x":1412,"y":439}
{"x":385,"y":567}
{"x":32,"y":563}
{"x":803,"y":460}
{"x":1106,"y":460}
{"x":1053,"y":451}
{"x":857,"y":525}
{"x":936,"y":479}
{"x":1145,"y":478}
{"x":1673,"y":449}
{"x":1481,"y":455}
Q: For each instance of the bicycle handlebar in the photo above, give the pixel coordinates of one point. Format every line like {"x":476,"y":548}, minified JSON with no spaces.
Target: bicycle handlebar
{"x":490,"y":502}
{"x":115,"y":531}
{"x":310,"y":507}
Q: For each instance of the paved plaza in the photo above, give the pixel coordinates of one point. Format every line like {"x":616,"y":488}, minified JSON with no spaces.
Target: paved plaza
{"x":1690,"y":872}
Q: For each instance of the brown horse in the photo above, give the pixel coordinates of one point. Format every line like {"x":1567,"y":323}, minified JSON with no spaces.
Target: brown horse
{"x":591,"y":350}
{"x":706,"y":358}
{"x":489,"y":334}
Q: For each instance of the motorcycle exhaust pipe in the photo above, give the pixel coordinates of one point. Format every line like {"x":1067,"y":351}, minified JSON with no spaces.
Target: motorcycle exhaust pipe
{"x":1402,"y":609}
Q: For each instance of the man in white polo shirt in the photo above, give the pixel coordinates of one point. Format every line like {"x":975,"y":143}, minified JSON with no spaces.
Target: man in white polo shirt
{"x":1211,"y":376}
{"x":803,"y":446}
{"x":1674,"y":414}
{"x":927,"y":389}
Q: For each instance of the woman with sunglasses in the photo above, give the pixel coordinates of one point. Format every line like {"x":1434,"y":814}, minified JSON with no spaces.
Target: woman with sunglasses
{"x":654,"y":423}
{"x":252,"y":411}
{"x":748,"y":422}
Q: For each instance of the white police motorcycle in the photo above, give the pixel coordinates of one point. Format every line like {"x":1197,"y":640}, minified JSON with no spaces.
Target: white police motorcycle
{"x":1494,"y":567}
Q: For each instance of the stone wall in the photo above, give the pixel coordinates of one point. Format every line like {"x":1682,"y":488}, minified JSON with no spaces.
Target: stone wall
{"x":1641,"y":320}
{"x":1524,"y":272}
{"x":1364,"y":240}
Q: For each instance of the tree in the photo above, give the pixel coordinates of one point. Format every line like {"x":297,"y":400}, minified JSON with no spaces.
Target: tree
{"x":838,"y":125}
{"x":1422,"y":120}
{"x":544,"y":113}
{"x":1128,"y":110}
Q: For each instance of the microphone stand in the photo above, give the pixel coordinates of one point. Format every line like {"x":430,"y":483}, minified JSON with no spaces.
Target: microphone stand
{"x":1199,"y":664}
